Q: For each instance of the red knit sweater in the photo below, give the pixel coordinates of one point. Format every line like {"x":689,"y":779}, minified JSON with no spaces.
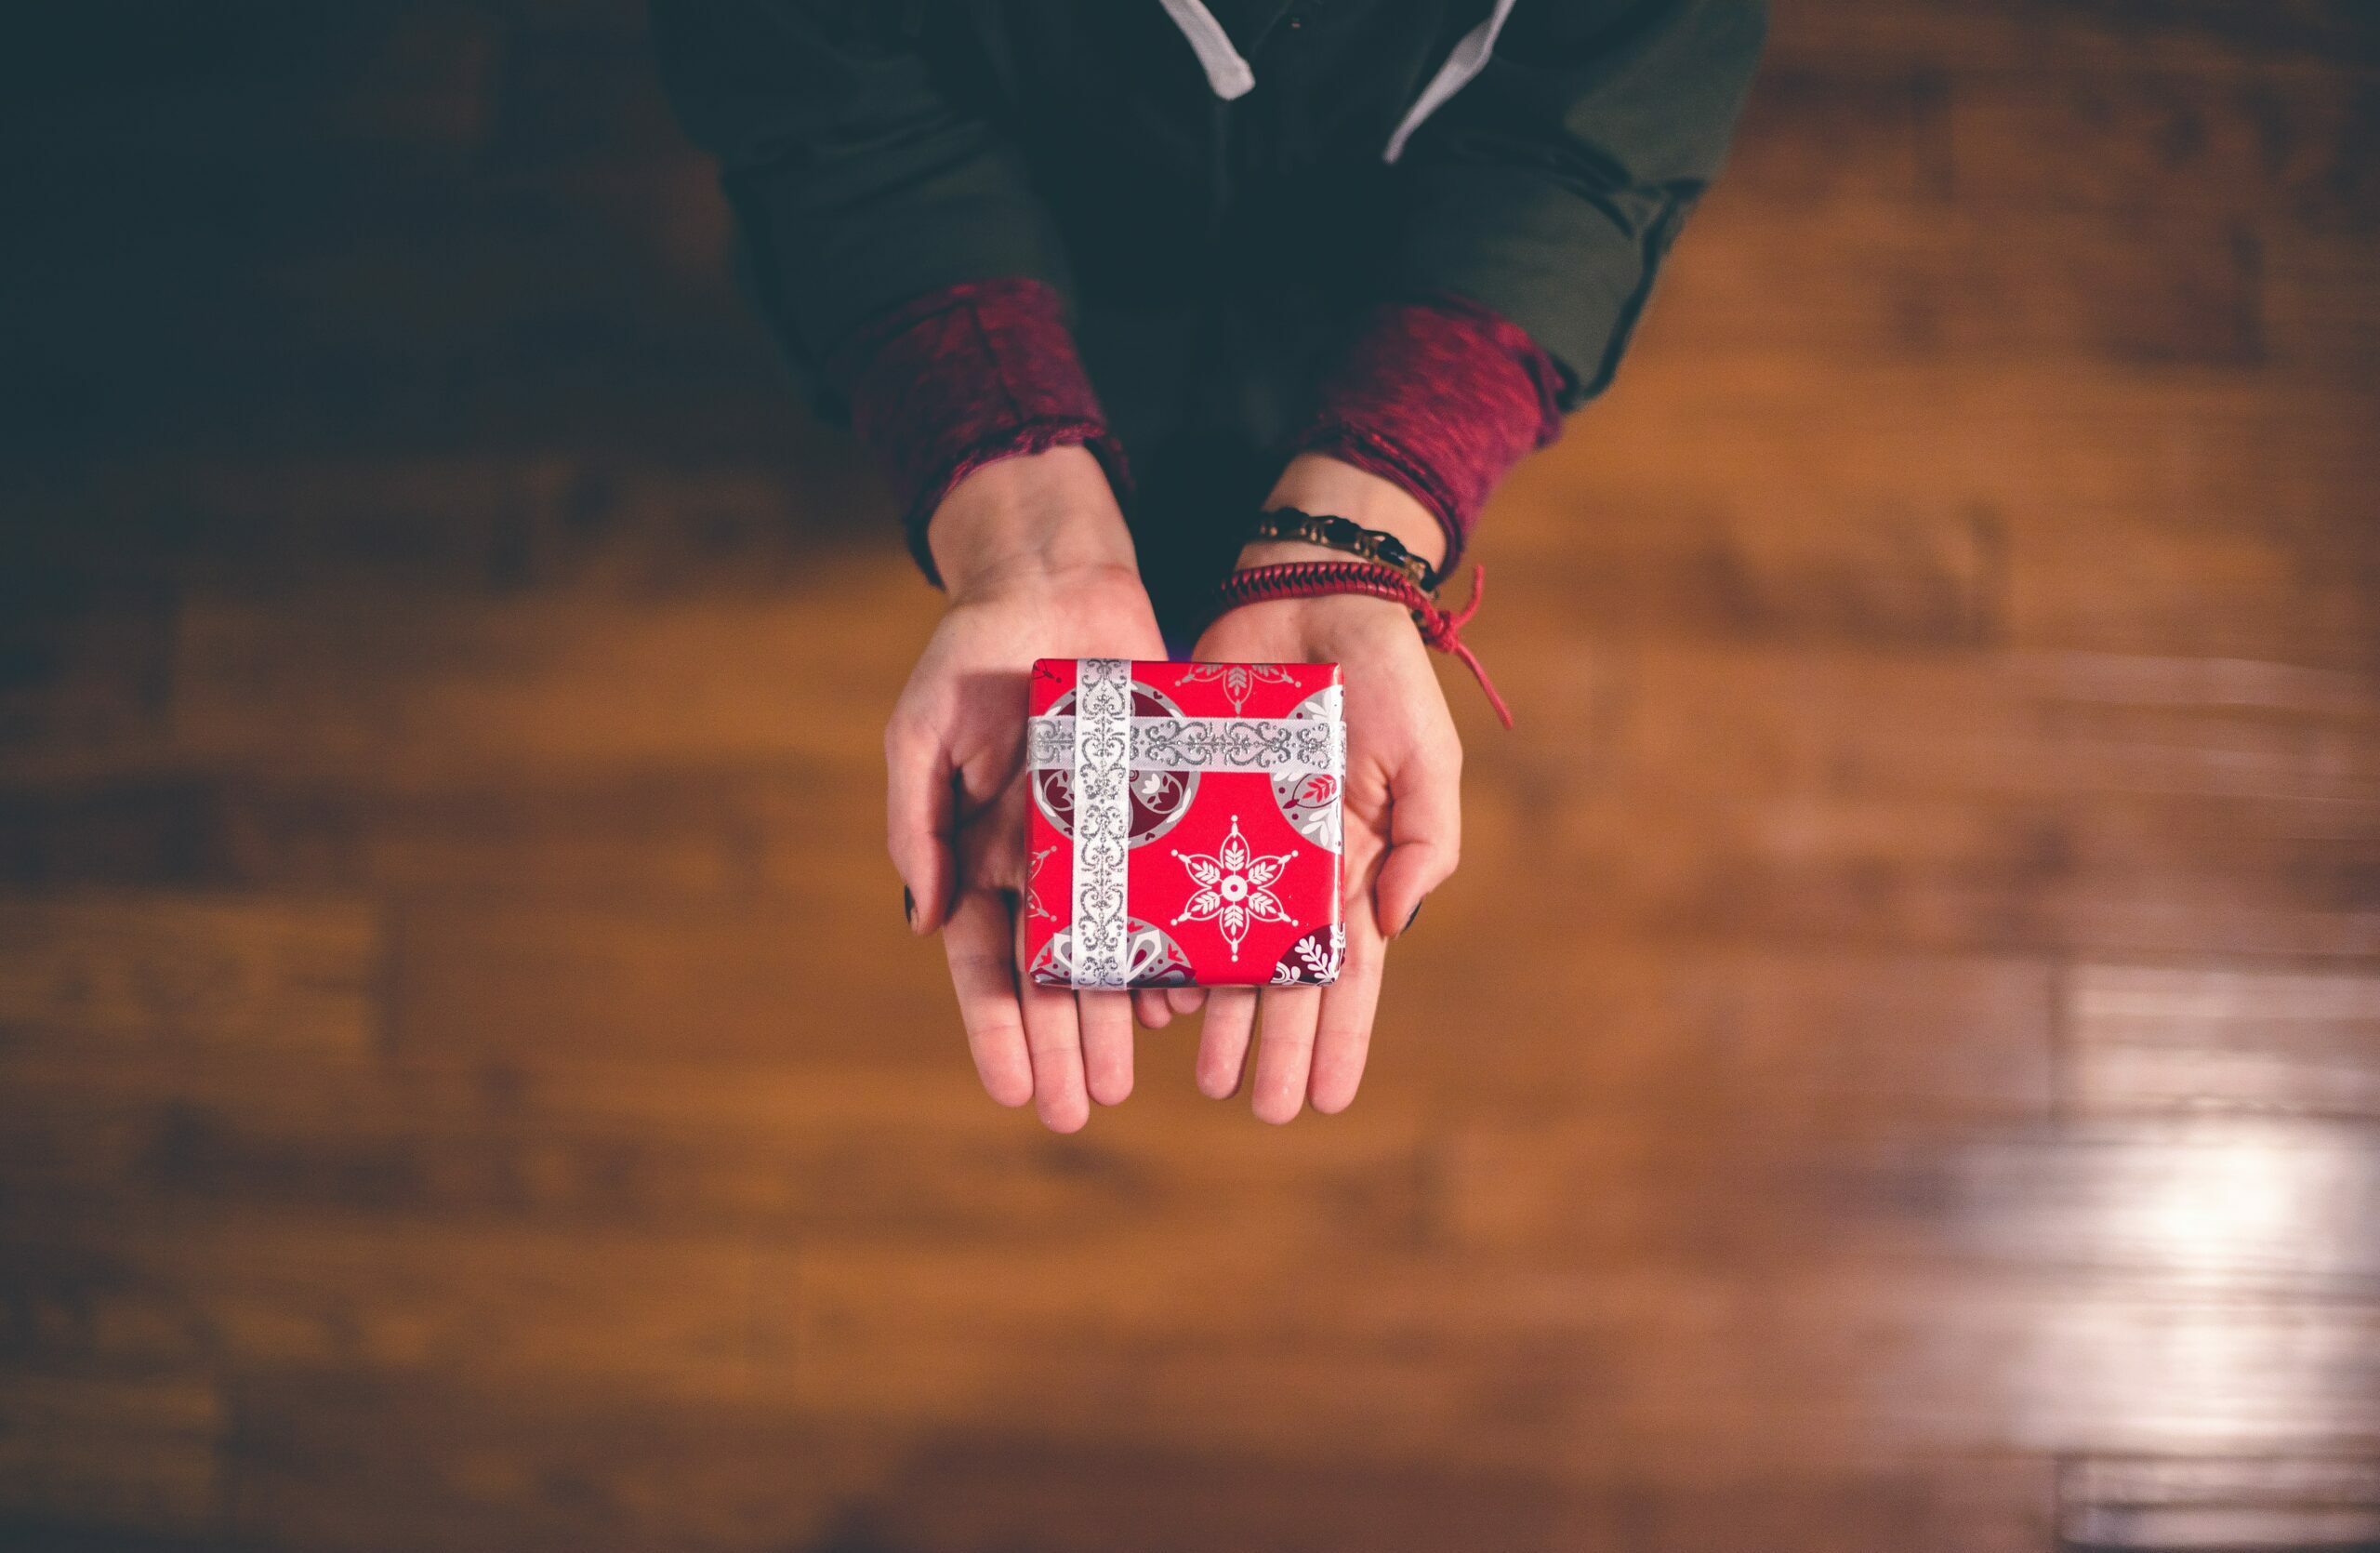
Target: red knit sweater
{"x":1440,"y":396}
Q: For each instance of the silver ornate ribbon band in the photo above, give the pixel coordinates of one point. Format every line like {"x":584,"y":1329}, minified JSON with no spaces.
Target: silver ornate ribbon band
{"x":1101,"y":743}
{"x":1268,"y":746}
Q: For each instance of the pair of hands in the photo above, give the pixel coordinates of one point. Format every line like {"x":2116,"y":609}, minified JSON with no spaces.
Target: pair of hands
{"x":1039,"y":564}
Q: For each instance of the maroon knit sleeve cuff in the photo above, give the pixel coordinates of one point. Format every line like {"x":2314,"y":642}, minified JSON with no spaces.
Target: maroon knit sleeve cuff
{"x":964,"y":376}
{"x":1442,"y":396}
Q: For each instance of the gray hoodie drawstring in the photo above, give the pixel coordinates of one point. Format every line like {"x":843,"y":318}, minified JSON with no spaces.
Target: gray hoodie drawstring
{"x":1229,"y":77}
{"x":1228,"y":74}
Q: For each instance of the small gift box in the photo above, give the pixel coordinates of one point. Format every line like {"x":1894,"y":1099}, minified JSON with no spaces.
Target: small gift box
{"x":1184,"y":829}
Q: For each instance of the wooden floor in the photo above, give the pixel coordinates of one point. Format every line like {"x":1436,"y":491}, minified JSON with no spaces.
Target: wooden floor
{"x":1899,"y":1071}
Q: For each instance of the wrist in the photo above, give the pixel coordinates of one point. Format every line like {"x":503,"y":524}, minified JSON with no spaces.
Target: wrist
{"x":1348,"y":620}
{"x":1046,"y":516}
{"x":1315,"y":483}
{"x":1279,"y":552}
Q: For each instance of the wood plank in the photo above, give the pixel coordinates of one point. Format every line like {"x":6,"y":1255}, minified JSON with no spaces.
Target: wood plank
{"x":648,"y":1313}
{"x":1147,"y":1338}
{"x":652,"y":837}
{"x":128,"y":1452}
{"x":442,"y":1466}
{"x":2321,"y":299}
{"x":2274,"y":741}
{"x":387,"y":1465}
{"x":966,"y":1493}
{"x":1826,"y":566}
{"x":1945,"y":1503}
{"x":431,"y":1466}
{"x":132,"y":830}
{"x":83,"y":658}
{"x":1703,"y":1029}
{"x":2314,"y":37}
{"x":1945,"y":875}
{"x":2211,"y":1038}
{"x":1852,"y":278}
{"x":334,"y":686}
{"x":972,"y":1491}
{"x":2170,"y":1504}
{"x":571,"y":1470}
{"x":591,"y":522}
{"x":170,"y":972}
{"x":731,"y":986}
{"x":2244,"y":140}
{"x":2252,"y":1207}
{"x":2186,"y":446}
{"x":2123,"y":806}
{"x":1822,"y":134}
{"x":787,"y":1148}
{"x":1776,"y":565}
{"x":2263,"y":597}
{"x":51,"y":1536}
{"x":692,"y":983}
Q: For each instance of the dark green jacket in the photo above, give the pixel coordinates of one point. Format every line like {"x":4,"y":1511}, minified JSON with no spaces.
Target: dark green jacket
{"x":875,"y":151}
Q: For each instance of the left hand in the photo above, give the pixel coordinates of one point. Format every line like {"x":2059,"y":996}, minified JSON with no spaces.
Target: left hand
{"x":1403,"y":807}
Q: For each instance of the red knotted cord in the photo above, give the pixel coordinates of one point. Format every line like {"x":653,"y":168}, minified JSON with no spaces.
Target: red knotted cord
{"x":1312,"y":579}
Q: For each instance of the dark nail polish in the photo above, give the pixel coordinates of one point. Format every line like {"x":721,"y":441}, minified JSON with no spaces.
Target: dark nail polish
{"x":910,"y":907}
{"x":1409,"y":920}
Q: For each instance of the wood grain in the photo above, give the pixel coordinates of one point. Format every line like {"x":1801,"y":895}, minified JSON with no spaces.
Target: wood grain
{"x":144,"y":1454}
{"x":1896,"y":1069}
{"x":2118,"y":1503}
{"x":2204,"y":1038}
{"x":190,"y":972}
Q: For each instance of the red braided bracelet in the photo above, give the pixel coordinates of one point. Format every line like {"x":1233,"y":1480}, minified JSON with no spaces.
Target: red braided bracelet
{"x":1312,"y":579}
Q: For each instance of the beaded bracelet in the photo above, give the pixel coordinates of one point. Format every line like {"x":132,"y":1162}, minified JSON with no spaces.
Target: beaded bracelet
{"x":1312,"y":579}
{"x":1344,"y":534}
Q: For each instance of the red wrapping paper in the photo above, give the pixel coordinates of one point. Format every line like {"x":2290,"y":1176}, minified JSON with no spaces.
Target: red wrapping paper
{"x":1184,"y":829}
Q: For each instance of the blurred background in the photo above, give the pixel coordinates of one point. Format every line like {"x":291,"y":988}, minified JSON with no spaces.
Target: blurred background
{"x":1898,"y":1070}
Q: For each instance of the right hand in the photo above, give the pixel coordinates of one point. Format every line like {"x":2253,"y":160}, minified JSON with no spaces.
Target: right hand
{"x":1037,"y":563}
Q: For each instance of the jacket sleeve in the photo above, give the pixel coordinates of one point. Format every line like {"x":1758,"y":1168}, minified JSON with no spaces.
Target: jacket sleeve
{"x":1442,"y":397}
{"x":856,"y":184}
{"x":1549,"y":188}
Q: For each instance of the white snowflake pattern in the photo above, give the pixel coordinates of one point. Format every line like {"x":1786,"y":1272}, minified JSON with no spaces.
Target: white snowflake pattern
{"x":1235,"y":887}
{"x":1239,"y":679}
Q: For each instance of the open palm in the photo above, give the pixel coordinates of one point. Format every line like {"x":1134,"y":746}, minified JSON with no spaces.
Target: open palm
{"x":1038,"y":565}
{"x":1403,"y":828}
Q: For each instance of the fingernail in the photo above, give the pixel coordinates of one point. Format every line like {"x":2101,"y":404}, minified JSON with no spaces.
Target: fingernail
{"x":909,"y":908}
{"x":1409,"y":920}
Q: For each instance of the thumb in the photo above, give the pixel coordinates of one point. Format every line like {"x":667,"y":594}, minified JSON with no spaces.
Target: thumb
{"x":920,"y":808}
{"x":1424,"y":838}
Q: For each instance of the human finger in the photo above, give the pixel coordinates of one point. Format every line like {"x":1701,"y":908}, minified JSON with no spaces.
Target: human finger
{"x":920,"y":812}
{"x":1424,"y":836}
{"x":1343,"y":1033}
{"x":1287,"y":1017}
{"x":1105,"y":1020}
{"x":978,"y":943}
{"x":1054,"y":1038}
{"x":1222,"y":1041}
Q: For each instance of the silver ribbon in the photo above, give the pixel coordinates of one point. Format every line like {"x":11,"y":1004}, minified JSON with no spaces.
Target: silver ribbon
{"x":1102,"y":745}
{"x":1268,"y":746}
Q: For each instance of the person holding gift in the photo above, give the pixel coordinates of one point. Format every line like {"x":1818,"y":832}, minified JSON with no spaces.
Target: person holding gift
{"x":1333,"y":266}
